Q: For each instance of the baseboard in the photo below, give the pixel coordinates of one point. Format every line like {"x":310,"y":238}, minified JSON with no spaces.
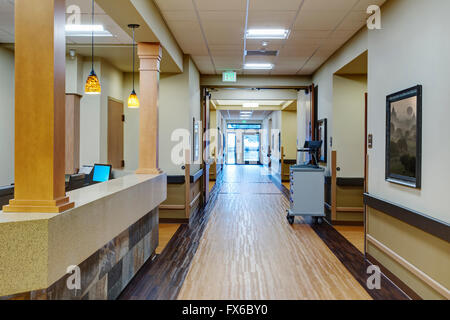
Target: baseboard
{"x":347,"y":223}
{"x":174,"y":220}
{"x":399,"y":283}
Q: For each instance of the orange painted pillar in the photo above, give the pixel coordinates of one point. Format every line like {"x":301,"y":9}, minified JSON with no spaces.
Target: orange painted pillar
{"x":150,"y":59}
{"x":39,"y":107}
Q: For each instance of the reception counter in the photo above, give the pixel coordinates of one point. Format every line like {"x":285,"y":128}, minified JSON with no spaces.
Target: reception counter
{"x":109,"y":234}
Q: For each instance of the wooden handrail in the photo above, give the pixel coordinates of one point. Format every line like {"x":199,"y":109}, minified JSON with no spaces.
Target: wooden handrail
{"x":187,"y":183}
{"x":333,"y":185}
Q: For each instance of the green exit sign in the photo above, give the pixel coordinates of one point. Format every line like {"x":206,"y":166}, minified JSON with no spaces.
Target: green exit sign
{"x":229,"y":76}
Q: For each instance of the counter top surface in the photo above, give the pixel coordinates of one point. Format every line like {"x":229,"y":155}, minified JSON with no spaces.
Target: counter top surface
{"x":84,"y":196}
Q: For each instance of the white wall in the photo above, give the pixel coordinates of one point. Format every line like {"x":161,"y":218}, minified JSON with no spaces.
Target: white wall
{"x":348,"y":124}
{"x":6,"y":117}
{"x":413,"y":48}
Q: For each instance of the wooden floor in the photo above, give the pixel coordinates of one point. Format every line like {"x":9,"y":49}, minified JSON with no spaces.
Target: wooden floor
{"x":166,"y":232}
{"x":354,"y":234}
{"x":249,"y":251}
{"x":239,"y":246}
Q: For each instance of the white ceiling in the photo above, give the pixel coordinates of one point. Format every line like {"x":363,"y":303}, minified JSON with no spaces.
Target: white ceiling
{"x":212,"y":31}
{"x":116,"y":49}
{"x":119,"y":36}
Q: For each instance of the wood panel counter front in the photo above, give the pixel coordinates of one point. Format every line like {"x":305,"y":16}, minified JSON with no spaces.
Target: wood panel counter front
{"x":37,"y":248}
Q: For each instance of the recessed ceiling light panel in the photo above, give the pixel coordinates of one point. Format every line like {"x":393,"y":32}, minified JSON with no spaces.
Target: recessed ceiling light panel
{"x":258,"y":66}
{"x":267,"y":34}
{"x":85,"y":30}
{"x":251,"y":105}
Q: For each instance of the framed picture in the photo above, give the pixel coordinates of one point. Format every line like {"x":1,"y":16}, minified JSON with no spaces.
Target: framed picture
{"x":196,"y":141}
{"x":404,"y":137}
{"x":322,"y":136}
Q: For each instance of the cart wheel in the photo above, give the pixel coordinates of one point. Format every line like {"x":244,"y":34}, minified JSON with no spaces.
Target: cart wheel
{"x":290,"y":219}
{"x":319,"y":220}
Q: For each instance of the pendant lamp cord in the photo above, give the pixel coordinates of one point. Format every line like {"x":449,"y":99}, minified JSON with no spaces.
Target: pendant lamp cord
{"x":92,"y":34}
{"x":133,"y":56}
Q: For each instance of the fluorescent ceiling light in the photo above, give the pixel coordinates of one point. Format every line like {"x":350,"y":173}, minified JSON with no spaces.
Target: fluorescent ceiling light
{"x":246,"y":112}
{"x":258,"y":66}
{"x":267,"y":34}
{"x":251,"y":105}
{"x":85,"y":30}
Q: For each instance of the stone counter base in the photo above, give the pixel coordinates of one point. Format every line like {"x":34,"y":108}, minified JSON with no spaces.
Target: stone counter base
{"x":108,"y":271}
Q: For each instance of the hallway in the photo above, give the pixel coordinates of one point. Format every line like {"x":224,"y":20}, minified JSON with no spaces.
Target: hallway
{"x":249,"y":251}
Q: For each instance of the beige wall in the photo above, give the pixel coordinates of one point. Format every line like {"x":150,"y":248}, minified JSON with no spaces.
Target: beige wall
{"x":421,"y":57}
{"x":289,"y":134}
{"x":401,"y":55}
{"x":179,"y":101}
{"x":303,"y":119}
{"x":6,"y":117}
{"x":194,"y":104}
{"x":94,"y":111}
{"x":324,"y":78}
{"x":348,"y":124}
{"x":131,"y":126}
{"x":394,"y":70}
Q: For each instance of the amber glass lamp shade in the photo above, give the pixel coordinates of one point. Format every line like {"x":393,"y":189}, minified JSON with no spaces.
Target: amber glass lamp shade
{"x":93,"y":84}
{"x":133,"y":101}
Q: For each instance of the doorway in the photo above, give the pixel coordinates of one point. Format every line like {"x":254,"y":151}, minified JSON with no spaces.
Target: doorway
{"x":231,"y":148}
{"x":349,"y":164}
{"x":115,"y":134}
{"x":251,"y":148}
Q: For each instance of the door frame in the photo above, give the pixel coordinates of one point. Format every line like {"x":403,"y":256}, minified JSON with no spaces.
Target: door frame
{"x":243,"y":145}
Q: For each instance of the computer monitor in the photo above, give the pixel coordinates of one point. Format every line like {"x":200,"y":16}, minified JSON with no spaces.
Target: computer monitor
{"x":102,"y":172}
{"x":88,"y":173}
{"x":87,"y":170}
{"x":312,"y":147}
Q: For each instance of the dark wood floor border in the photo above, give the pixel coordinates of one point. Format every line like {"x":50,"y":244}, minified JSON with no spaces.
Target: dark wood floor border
{"x":353,"y":260}
{"x":356,"y":264}
{"x":416,"y":219}
{"x":162,"y":278}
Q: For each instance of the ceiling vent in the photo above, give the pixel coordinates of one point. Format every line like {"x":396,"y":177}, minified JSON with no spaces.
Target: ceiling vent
{"x":265,"y":53}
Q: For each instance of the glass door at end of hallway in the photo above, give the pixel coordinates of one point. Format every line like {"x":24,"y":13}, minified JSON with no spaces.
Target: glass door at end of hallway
{"x":251,"y":148}
{"x":231,"y":148}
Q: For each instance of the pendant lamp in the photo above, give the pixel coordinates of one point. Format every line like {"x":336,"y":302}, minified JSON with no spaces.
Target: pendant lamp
{"x":92,"y":83}
{"x":133,"y":101}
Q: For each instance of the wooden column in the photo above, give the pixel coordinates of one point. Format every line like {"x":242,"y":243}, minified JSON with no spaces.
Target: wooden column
{"x":39,"y":107}
{"x":72,"y":132}
{"x":150,"y":59}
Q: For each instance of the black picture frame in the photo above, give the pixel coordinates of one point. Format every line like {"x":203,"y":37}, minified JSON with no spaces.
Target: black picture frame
{"x":403,"y":165}
{"x":322,"y":135}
